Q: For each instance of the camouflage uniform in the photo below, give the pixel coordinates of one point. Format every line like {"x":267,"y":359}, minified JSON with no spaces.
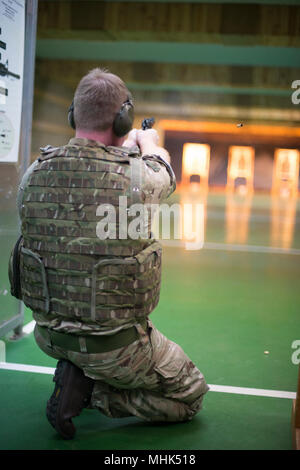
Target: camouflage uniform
{"x":80,"y":285}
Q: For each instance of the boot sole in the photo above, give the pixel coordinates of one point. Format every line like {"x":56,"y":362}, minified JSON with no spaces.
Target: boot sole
{"x":53,"y":402}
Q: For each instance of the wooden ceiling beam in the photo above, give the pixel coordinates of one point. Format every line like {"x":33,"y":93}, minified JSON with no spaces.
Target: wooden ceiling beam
{"x":196,"y":22}
{"x":183,"y":77}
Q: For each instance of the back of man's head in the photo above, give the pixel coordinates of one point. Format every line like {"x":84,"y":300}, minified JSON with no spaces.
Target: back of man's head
{"x":98,"y":98}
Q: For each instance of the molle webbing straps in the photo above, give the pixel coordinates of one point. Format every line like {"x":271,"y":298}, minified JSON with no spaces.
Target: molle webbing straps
{"x":101,"y":263}
{"x":67,"y":270}
{"x":116,"y":288}
{"x":42,"y":272}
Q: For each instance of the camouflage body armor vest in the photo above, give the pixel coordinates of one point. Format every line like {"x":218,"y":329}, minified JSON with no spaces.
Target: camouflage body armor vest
{"x":67,"y":272}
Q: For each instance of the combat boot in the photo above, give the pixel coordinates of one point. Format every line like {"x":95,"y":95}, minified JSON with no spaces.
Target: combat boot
{"x":71,"y":394}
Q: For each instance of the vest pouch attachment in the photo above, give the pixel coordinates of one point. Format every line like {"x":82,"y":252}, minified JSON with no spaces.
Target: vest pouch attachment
{"x":137,"y":280}
{"x":35,"y":293}
{"x":14,"y":269}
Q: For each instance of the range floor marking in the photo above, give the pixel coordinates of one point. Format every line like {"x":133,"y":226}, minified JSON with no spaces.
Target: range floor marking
{"x":258,"y":392}
{"x":231,"y":247}
{"x":29,"y":327}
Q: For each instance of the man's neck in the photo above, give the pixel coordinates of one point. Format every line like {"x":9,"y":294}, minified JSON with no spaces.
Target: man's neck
{"x":104,"y":137}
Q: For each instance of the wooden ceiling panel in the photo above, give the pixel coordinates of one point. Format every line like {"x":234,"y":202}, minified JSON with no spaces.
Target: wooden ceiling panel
{"x":220,"y":22}
{"x":201,"y":58}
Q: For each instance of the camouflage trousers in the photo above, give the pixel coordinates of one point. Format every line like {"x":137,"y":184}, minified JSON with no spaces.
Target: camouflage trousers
{"x":152,"y":378}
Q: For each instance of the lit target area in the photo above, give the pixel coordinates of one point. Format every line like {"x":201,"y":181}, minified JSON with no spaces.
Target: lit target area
{"x":247,"y":168}
{"x":195,"y":163}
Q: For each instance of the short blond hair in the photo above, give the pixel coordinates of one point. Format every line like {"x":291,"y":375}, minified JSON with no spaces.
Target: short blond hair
{"x":98,"y":97}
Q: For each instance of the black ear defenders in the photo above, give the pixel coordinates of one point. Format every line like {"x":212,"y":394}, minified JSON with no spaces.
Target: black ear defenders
{"x":71,"y":115}
{"x":122,"y":123}
{"x":124,"y":119}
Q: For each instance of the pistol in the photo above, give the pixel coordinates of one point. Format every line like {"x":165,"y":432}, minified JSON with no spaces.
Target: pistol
{"x":148,"y":123}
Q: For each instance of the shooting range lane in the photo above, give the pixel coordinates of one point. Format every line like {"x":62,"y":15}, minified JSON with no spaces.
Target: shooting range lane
{"x":226,"y":309}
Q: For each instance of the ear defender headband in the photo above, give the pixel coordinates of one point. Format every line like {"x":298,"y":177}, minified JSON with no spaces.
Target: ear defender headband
{"x":122,"y":123}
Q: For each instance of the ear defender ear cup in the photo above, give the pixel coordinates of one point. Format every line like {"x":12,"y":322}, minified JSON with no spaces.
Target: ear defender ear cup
{"x":122,"y":123}
{"x":124,"y":119}
{"x":71,"y":116}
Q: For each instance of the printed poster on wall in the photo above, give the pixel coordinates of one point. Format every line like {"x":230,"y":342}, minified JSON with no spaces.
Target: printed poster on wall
{"x":12,"y":33}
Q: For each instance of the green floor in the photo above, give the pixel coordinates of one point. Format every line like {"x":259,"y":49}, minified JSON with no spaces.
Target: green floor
{"x":225,"y":308}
